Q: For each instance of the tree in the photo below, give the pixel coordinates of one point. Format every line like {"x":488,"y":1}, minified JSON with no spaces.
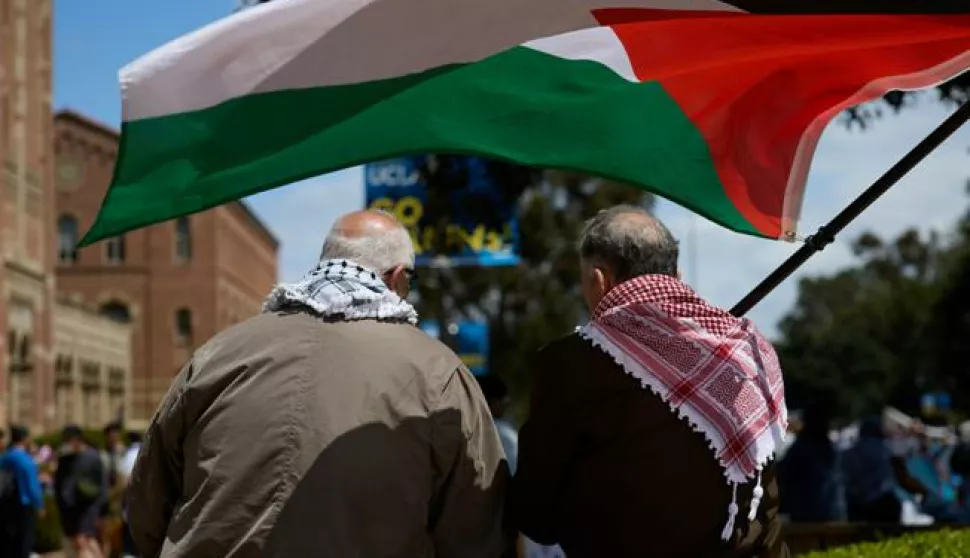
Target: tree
{"x":895,"y":324}
{"x":532,"y":303}
{"x":953,"y":92}
{"x":887,"y":329}
{"x":243,"y":4}
{"x":949,"y":329}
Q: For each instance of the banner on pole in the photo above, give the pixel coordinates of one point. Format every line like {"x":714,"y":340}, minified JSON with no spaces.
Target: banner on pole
{"x":479,"y":212}
{"x":471,"y":342}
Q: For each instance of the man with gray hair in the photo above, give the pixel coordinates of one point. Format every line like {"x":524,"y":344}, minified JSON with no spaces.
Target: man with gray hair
{"x":652,"y":429}
{"x":327,"y":426}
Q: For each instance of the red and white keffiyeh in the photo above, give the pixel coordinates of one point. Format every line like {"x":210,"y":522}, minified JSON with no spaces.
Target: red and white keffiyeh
{"x":714,"y":370}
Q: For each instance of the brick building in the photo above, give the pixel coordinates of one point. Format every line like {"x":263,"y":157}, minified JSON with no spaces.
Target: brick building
{"x":176,"y":283}
{"x":92,"y":367}
{"x":26,"y":258}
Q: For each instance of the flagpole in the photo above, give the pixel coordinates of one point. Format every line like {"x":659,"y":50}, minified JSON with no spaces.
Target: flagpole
{"x":826,"y":234}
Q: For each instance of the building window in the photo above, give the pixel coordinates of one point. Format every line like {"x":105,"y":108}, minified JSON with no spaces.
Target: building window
{"x":19,"y":352}
{"x":62,"y":368}
{"x":67,"y":239}
{"x":117,"y":311}
{"x":12,"y":343}
{"x":115,"y":249}
{"x":183,"y":326}
{"x":25,"y":350}
{"x":183,"y":240}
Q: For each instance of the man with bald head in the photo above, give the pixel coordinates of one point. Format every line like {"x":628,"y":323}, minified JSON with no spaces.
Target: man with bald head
{"x":652,"y":429}
{"x":327,"y":426}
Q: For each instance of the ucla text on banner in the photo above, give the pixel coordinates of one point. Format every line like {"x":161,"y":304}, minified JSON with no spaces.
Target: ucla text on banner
{"x":470,"y":343}
{"x":480,"y":213}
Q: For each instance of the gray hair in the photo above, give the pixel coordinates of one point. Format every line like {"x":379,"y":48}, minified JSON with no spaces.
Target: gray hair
{"x":379,"y":252}
{"x":630,"y":242}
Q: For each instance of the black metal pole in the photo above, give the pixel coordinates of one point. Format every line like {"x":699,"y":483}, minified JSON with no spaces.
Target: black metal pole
{"x":826,"y":234}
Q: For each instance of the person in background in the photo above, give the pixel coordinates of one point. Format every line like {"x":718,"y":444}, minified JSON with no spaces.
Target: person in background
{"x":928,"y":464}
{"x":327,"y":426}
{"x":870,"y":468}
{"x":81,"y":488}
{"x":960,"y":462}
{"x":131,"y":455}
{"x":113,"y":452}
{"x":810,"y":475}
{"x":110,"y":520}
{"x":652,"y":429}
{"x":20,"y":507}
{"x":128,"y":548}
{"x":44,"y":458}
{"x":496,"y":393}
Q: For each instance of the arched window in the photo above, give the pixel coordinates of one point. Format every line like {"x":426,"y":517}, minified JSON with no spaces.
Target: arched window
{"x":183,"y":326}
{"x":183,"y":240}
{"x":117,"y":311}
{"x":115,"y":249}
{"x":67,"y":239}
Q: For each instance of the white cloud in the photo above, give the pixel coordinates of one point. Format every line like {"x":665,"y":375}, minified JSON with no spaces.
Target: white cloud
{"x":728,"y":264}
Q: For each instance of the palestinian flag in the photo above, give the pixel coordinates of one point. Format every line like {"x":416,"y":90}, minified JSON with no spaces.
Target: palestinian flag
{"x":714,"y":105}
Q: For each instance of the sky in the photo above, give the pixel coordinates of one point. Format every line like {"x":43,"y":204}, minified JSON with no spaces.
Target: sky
{"x":93,"y":40}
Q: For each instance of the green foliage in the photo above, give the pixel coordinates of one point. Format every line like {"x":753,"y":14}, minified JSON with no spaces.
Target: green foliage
{"x":94,"y":437}
{"x":886,"y":329}
{"x":48,"y":530}
{"x":938,"y":544}
{"x":953,"y":92}
{"x":531,"y":304}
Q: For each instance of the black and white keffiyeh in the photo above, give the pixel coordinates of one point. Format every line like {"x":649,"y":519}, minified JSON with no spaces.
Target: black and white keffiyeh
{"x":342,"y":290}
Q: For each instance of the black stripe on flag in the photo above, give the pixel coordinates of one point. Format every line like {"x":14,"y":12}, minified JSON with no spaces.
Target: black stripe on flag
{"x":834,"y":7}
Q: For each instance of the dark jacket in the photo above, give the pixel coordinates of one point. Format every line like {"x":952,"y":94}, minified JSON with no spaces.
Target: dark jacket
{"x":80,"y":482}
{"x":810,"y":478}
{"x":606,"y":469}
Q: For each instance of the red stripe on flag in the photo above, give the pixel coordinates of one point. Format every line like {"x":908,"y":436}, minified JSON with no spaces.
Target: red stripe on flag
{"x":757,"y":87}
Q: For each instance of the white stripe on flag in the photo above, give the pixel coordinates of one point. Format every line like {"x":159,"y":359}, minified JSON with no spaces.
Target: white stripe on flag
{"x":598,"y":44}
{"x":298,"y":44}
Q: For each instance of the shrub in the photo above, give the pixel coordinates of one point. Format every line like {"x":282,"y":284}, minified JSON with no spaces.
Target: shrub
{"x":935,"y":544}
{"x":94,"y":436}
{"x":48,"y":532}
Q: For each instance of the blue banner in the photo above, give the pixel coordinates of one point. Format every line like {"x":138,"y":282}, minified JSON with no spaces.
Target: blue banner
{"x":936,"y":402}
{"x":479,"y":211}
{"x":470,"y":340}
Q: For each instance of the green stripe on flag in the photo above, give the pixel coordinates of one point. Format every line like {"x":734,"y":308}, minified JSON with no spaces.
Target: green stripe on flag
{"x":522,"y":105}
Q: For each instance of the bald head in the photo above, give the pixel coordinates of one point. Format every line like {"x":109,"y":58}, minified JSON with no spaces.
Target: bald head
{"x":360,"y":224}
{"x":629,"y":242}
{"x":373,"y":239}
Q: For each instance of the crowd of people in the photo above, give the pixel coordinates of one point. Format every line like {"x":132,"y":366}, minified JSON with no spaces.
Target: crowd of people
{"x":85,"y":484}
{"x":887,"y":468}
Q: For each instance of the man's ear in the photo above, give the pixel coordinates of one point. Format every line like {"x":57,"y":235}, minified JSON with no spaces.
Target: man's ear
{"x":603,"y":280}
{"x":398,"y":275}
